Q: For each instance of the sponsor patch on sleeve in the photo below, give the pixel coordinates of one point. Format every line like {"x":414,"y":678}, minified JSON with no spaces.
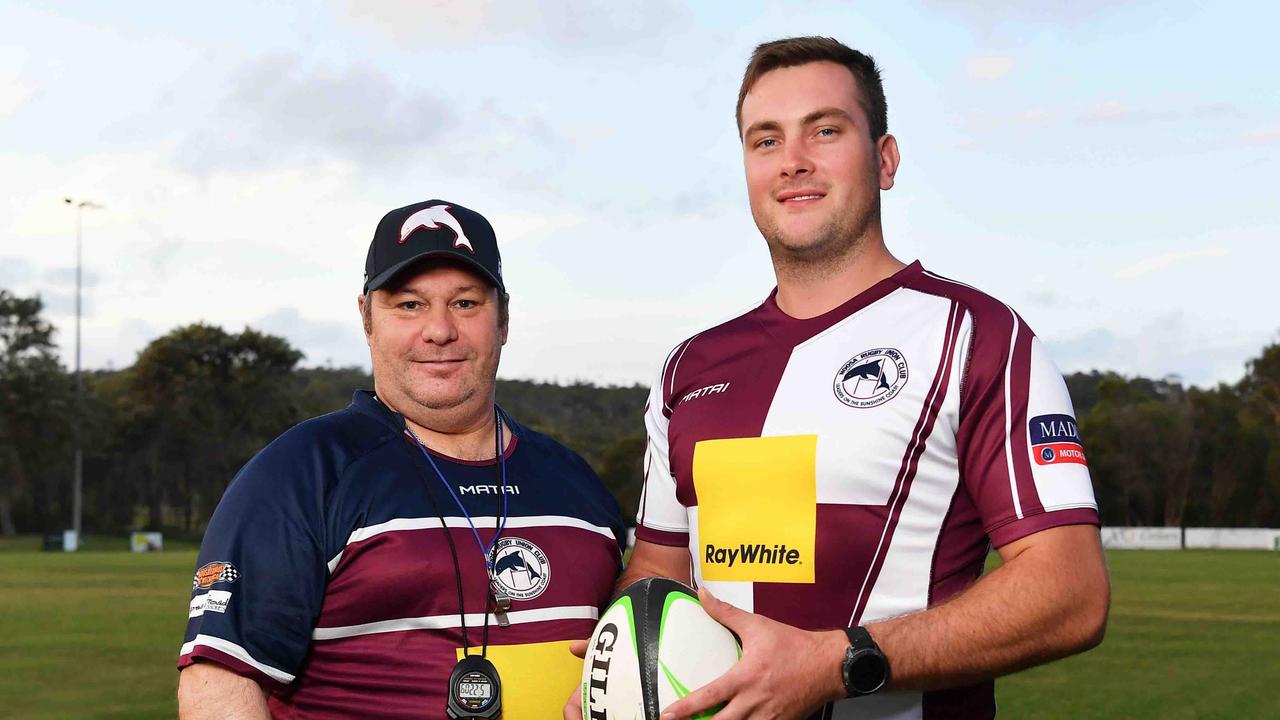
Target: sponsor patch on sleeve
{"x":212,"y":601}
{"x":1055,"y":439}
{"x":214,"y":572}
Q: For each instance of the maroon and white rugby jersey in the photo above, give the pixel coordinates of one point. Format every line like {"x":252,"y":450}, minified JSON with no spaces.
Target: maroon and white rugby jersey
{"x":854,"y":466}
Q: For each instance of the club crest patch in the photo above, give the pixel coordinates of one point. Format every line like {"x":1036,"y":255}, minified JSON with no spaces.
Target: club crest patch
{"x":521,"y":568}
{"x":871,"y":378}
{"x":214,"y":572}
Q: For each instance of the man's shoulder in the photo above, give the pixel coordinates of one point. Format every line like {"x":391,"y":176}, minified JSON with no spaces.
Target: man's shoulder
{"x":331,"y":441}
{"x":978,"y":303}
{"x":721,"y":338}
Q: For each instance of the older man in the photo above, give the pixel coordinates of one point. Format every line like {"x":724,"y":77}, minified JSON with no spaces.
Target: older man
{"x":419,"y":554}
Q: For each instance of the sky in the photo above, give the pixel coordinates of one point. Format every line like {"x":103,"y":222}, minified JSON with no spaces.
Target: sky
{"x":1108,"y":169}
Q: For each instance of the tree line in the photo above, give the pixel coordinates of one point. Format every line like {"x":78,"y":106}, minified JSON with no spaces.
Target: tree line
{"x":163,"y":437}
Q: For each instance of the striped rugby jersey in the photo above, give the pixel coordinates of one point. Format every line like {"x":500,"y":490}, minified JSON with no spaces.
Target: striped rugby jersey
{"x":325,"y":574}
{"x":857,"y":465}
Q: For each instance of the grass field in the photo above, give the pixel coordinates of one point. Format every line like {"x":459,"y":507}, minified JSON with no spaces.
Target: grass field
{"x":1193,"y":634}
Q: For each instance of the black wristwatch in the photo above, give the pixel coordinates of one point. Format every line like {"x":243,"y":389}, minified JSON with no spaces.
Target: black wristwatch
{"x":865,"y":669}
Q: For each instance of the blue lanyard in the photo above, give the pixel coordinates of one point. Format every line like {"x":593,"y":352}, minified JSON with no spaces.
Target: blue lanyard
{"x":485,"y":550}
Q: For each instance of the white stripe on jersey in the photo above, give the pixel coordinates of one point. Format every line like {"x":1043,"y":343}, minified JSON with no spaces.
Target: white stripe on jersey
{"x":237,"y":652}
{"x":1008,"y":417}
{"x":1008,"y":409}
{"x":430,"y":523}
{"x":453,"y":620}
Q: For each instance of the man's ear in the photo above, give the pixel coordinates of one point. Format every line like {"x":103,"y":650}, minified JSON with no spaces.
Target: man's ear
{"x":366,"y":313}
{"x":889,"y":160}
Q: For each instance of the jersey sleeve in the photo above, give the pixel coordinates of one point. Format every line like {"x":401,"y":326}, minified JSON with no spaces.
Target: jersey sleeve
{"x":1021,"y":457}
{"x":261,"y":572}
{"x":661,"y":518}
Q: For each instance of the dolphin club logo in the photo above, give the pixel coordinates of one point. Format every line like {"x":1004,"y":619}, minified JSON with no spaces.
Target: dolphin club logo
{"x":1055,"y":439}
{"x":871,"y":378}
{"x":521,"y":568}
{"x":434,"y":218}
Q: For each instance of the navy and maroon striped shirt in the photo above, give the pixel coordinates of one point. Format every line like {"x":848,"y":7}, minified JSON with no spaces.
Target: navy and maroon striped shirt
{"x":326,"y":576}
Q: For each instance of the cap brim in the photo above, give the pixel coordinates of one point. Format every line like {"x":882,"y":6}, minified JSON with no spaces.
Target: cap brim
{"x":387,"y":275}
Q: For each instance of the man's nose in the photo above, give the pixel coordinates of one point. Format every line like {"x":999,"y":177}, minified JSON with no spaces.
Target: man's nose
{"x":796,"y":160}
{"x":438,"y":328}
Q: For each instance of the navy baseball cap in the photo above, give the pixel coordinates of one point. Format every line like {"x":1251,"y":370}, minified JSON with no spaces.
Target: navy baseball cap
{"x":433,"y":229}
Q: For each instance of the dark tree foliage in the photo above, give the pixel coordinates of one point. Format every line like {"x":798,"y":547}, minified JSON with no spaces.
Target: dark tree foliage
{"x":197,"y":404}
{"x":36,"y":414}
{"x":163,"y":437}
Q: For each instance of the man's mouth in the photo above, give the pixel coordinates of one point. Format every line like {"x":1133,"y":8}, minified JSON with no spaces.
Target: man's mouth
{"x":800,"y":196}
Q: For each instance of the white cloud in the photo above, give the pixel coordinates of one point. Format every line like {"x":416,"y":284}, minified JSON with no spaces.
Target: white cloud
{"x":1159,"y":262}
{"x":1107,"y":110}
{"x":431,"y":24}
{"x":281,"y":111}
{"x":1171,"y":344}
{"x":1263,"y":136}
{"x":988,"y":68}
{"x":14,"y":93}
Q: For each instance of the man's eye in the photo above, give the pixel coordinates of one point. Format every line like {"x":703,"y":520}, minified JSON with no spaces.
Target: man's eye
{"x":828,"y":132}
{"x":466,"y":304}
{"x":410,"y":305}
{"x":767,"y":143}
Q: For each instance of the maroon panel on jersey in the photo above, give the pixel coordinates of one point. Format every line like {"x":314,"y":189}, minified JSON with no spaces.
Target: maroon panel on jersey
{"x":410,"y":573}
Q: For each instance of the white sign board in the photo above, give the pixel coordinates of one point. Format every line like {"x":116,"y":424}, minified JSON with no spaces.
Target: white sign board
{"x":146,"y":542}
{"x":1234,"y":538}
{"x":1142,"y":538}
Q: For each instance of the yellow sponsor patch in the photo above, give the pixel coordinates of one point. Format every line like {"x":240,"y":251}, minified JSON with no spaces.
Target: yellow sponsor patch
{"x":537,"y":678}
{"x":757,"y":508}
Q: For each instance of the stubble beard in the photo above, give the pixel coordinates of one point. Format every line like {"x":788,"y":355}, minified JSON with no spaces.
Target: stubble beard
{"x":832,"y":246}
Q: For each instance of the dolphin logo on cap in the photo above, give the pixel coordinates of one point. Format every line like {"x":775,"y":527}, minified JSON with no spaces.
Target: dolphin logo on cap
{"x":433,"y":218}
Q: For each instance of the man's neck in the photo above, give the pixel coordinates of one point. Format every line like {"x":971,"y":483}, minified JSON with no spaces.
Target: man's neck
{"x":809,"y":289}
{"x":470,"y":438}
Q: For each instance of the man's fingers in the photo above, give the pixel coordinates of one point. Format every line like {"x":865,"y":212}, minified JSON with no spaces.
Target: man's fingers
{"x":721,"y":611}
{"x":704,"y":698}
{"x":578,"y":648}
{"x":573,"y":708}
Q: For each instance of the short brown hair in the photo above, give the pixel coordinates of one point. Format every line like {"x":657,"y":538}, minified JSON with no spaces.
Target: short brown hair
{"x":790,"y":52}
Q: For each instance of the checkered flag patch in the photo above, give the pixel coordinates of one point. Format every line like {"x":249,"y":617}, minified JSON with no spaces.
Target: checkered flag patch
{"x":214,"y":572}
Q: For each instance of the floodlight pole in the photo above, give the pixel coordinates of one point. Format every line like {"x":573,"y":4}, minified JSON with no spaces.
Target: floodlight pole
{"x":77,"y":487}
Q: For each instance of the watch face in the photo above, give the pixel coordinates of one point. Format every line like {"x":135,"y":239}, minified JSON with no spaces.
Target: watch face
{"x":867,"y":672}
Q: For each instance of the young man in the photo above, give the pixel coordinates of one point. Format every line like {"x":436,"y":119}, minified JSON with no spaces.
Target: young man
{"x":833,"y":464}
{"x":420,"y":553}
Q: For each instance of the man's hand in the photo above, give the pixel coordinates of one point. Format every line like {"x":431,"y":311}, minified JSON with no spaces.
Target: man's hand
{"x":784,"y":672}
{"x":573,"y":708}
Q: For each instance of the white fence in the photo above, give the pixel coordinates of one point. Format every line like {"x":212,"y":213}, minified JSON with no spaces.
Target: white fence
{"x":1172,"y":538}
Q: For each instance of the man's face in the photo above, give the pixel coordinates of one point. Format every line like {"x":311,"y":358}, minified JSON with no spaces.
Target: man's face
{"x":813,"y":172}
{"x":435,"y":340}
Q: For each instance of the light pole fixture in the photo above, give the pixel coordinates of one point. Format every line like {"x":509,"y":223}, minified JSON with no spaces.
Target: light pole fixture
{"x":77,"y":487}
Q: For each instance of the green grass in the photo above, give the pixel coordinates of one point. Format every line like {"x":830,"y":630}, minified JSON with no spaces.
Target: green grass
{"x":1193,"y":634}
{"x":91,"y":634}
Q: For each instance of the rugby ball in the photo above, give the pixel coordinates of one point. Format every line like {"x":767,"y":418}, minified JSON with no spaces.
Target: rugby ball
{"x":652,"y":646}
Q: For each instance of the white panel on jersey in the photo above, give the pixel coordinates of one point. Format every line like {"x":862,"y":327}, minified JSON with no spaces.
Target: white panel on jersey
{"x":659,"y":509}
{"x":860,"y":448}
{"x":1060,"y":485}
{"x":903,"y":583}
{"x":741,"y":595}
{"x":882,"y":706}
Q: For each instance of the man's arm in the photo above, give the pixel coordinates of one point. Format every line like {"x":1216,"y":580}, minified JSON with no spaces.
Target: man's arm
{"x":208,"y":691}
{"x":654,"y":560}
{"x":1048,"y":600}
